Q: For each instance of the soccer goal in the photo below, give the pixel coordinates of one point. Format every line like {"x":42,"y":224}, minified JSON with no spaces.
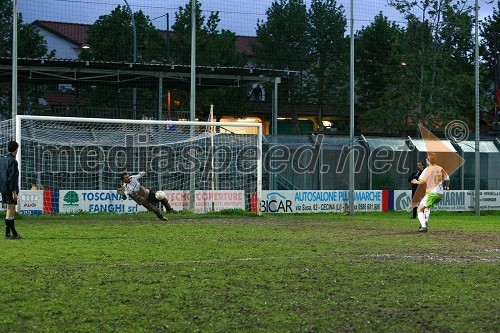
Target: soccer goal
{"x":202,"y":166}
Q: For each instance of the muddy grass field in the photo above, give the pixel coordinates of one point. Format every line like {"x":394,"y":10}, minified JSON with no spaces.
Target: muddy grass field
{"x":243,"y":273}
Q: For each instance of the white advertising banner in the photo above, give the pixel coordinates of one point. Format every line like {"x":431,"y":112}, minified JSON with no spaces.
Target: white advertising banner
{"x":489,"y":200}
{"x":30,"y":202}
{"x":96,"y":201}
{"x":68,"y":201}
{"x":179,"y":200}
{"x":319,"y":201}
{"x":110,"y":201}
{"x":453,"y":201}
{"x":402,"y":199}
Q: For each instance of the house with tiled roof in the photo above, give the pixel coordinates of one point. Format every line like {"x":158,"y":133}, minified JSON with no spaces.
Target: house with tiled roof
{"x":57,"y":98}
{"x":68,"y":38}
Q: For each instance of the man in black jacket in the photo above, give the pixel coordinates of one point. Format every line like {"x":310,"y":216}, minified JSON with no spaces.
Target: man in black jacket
{"x":415,"y":175}
{"x":9,"y":187}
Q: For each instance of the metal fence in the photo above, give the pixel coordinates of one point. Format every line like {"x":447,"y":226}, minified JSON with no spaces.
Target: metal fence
{"x":380,"y":163}
{"x":321,"y":162}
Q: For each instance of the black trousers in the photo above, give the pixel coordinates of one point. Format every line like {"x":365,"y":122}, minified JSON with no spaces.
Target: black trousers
{"x":415,"y":208}
{"x":152,"y":199}
{"x":7,"y":199}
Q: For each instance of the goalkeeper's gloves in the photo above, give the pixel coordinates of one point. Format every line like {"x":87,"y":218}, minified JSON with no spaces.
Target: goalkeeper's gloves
{"x":124,"y":197}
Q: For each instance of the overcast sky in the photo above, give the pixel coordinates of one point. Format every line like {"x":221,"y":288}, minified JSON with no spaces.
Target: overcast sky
{"x":236,"y":15}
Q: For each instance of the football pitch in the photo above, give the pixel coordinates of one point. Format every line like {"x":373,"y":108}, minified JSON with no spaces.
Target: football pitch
{"x":237,"y":273}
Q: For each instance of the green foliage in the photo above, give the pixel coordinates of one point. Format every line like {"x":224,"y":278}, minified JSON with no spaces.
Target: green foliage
{"x":285,"y":30}
{"x":329,"y":52}
{"x":111,"y":38}
{"x":310,"y":42}
{"x":490,"y":39}
{"x":377,"y":69}
{"x":213,"y":47}
{"x":437,"y":82}
{"x":490,"y":45}
{"x":30,"y":43}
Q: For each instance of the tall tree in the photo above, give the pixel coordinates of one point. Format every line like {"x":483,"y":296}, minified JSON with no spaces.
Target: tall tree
{"x":111,"y":38}
{"x":436,"y":49}
{"x":378,"y":47}
{"x":29,"y":45}
{"x":214,"y":47}
{"x":329,"y":70}
{"x":453,"y":68}
{"x":490,"y":45}
{"x":282,"y":41}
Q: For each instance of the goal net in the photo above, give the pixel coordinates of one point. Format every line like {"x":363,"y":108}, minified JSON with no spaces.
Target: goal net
{"x":201,"y":166}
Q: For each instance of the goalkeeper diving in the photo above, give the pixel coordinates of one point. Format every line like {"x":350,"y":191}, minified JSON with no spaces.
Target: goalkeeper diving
{"x":143,"y":196}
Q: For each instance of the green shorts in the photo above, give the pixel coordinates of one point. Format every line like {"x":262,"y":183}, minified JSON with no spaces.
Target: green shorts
{"x":431,"y":199}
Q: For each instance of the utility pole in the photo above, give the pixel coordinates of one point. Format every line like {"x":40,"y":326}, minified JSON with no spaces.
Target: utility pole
{"x":134,"y":90}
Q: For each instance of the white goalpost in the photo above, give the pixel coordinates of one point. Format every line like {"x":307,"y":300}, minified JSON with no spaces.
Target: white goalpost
{"x":88,"y":156}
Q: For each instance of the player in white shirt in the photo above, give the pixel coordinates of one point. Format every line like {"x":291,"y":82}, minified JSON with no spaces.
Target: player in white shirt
{"x":143,"y":196}
{"x":436,"y":180}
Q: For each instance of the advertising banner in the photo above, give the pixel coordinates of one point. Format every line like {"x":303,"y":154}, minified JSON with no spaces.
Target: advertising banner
{"x":96,"y":201}
{"x":30,"y":202}
{"x":489,"y":200}
{"x":453,"y":201}
{"x":68,"y":201}
{"x":319,"y":201}
{"x":179,"y":200}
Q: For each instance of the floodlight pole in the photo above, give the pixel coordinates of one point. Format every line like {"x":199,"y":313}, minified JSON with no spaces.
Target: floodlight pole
{"x":134,"y":90}
{"x":477,"y":184}
{"x":351,"y":117}
{"x":16,"y":124}
{"x":14,"y":65}
{"x":192,"y":102}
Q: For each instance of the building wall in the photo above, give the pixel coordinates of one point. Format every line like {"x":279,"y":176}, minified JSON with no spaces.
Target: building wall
{"x":63,"y":48}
